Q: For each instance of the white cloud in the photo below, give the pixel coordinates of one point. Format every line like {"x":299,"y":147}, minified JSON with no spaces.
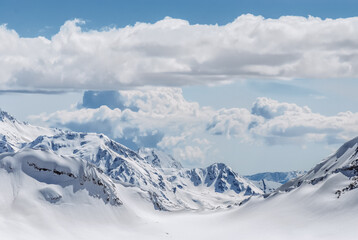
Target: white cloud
{"x":231,"y":122}
{"x":283,"y":123}
{"x":171,"y":52}
{"x":169,"y":142}
{"x":159,"y":117}
{"x":269,"y":108}
{"x":191,"y":154}
{"x":162,"y":118}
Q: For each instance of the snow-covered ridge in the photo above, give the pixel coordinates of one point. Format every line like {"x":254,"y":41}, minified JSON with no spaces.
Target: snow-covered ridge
{"x":222,"y":178}
{"x":341,"y":168}
{"x":4,"y":115}
{"x":159,"y":159}
{"x":159,"y":178}
{"x":14,"y":134}
{"x":72,"y":185}
{"x":168,"y":185}
{"x":58,"y":178}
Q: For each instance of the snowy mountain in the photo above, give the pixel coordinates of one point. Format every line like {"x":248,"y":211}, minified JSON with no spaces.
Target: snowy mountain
{"x":159,"y":178}
{"x":56,"y":179}
{"x":337,"y":174}
{"x":159,"y":159}
{"x":222,"y":178}
{"x":66,"y":185}
{"x":14,"y":134}
{"x":270,"y":181}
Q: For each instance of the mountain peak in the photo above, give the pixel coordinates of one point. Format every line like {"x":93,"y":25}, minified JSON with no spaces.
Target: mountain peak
{"x":219,"y":166}
{"x":5,"y":115}
{"x":346,"y":146}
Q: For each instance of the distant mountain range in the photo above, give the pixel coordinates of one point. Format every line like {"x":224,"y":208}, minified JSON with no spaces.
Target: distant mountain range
{"x":270,"y":181}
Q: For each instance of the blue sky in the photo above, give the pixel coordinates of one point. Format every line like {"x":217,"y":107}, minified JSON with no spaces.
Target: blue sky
{"x":30,"y":18}
{"x":305,"y":100}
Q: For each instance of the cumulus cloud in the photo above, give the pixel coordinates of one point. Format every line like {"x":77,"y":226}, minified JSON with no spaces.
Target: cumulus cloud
{"x":231,"y":122}
{"x":159,"y":117}
{"x":163,"y":118}
{"x":192,"y":154}
{"x":269,"y":108}
{"x":284,"y":123}
{"x":172,"y":52}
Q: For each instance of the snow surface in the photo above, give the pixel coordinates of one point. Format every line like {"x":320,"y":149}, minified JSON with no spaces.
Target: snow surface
{"x":165,"y":183}
{"x":65,"y":185}
{"x":13,"y":134}
{"x":159,"y":159}
{"x":301,"y":214}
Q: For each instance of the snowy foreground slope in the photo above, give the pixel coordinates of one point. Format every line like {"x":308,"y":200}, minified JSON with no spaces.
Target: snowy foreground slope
{"x":65,"y":185}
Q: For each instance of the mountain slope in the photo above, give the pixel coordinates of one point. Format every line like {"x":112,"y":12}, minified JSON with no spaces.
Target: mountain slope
{"x":56,"y":179}
{"x":172,"y":188}
{"x":158,"y":177}
{"x":338,"y":172}
{"x":14,"y":134}
{"x":222,"y":178}
{"x":159,"y":159}
{"x":84,"y":186}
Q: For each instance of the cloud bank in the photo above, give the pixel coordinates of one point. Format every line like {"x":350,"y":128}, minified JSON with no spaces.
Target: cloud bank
{"x":159,"y":117}
{"x":163,"y":118}
{"x":172,"y":52}
{"x":284,"y":123}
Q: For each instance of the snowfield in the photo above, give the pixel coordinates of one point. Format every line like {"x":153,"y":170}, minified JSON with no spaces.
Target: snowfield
{"x":298,"y":215}
{"x":63,"y":185}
